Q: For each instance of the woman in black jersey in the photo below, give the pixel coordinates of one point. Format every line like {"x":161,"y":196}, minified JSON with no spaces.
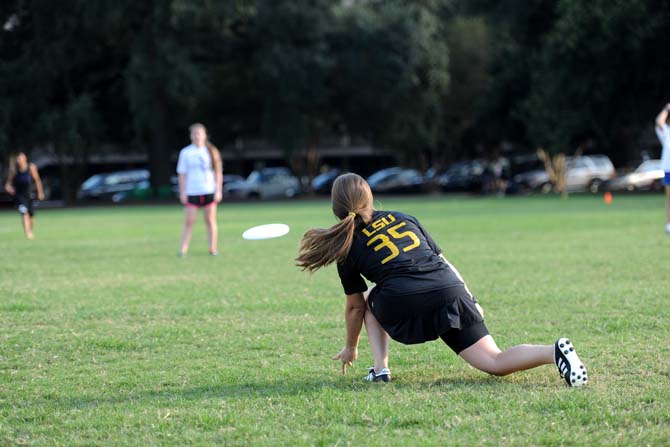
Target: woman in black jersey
{"x":22,"y":176}
{"x":418,"y":296}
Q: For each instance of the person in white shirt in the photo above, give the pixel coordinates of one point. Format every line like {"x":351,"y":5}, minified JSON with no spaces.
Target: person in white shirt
{"x":200,"y":178}
{"x":663,"y":133}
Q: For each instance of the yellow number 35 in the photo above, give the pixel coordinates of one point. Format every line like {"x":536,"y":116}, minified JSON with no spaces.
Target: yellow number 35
{"x":386,"y":242}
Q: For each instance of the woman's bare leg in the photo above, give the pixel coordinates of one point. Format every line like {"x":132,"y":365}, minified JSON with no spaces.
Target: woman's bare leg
{"x":379,"y":341}
{"x":212,"y":227}
{"x":486,"y":356}
{"x":27,"y":225}
{"x":377,"y":337}
{"x":190,"y":213}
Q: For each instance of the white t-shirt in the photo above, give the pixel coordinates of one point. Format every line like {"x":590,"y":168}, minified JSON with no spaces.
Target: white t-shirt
{"x":196,"y":164}
{"x":663,"y":134}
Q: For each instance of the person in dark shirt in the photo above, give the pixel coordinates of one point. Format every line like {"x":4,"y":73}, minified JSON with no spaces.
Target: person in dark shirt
{"x":22,"y":176}
{"x":418,"y":295}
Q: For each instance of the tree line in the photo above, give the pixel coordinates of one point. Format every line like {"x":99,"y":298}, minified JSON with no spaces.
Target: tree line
{"x":433,"y":80}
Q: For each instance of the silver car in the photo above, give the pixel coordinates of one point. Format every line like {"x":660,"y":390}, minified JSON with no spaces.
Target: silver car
{"x":588,"y":172}
{"x":583,"y":173}
{"x":648,"y":176}
{"x":266,"y":183}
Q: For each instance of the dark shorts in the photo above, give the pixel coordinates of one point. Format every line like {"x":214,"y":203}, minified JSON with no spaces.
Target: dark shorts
{"x":448,"y":313}
{"x":460,"y":339}
{"x":200,"y":201}
{"x":666,"y":179}
{"x":25,"y":205}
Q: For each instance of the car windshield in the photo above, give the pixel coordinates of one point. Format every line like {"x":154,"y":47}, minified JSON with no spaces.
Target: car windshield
{"x":92,"y":182}
{"x":650,"y":165}
{"x":575,"y":163}
{"x":388,"y":178}
{"x":526,"y":163}
{"x":382,"y":175}
{"x":227,"y":178}
{"x":254,"y":177}
{"x":464,"y":168}
{"x":324,"y":178}
{"x":600,"y":161}
{"x":410,"y":175}
{"x":126,"y":177}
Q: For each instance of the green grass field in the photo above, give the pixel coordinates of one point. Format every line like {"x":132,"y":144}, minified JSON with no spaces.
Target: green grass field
{"x":107,"y":338}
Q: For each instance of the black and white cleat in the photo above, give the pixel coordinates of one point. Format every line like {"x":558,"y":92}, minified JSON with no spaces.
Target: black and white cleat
{"x":382,"y":376}
{"x":569,"y":366}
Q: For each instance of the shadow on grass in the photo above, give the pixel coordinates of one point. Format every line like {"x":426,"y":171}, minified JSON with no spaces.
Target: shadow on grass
{"x":259,"y":389}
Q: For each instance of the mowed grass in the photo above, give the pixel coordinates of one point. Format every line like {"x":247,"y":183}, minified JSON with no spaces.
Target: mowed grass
{"x":107,"y":338}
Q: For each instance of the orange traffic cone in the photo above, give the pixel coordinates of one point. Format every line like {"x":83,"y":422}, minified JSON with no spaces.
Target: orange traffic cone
{"x":608,"y":198}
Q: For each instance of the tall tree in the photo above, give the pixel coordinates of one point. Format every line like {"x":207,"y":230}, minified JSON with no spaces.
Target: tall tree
{"x":469,"y":42}
{"x":602,"y":76}
{"x":59,"y":65}
{"x":294,"y":65}
{"x":392,"y":72}
{"x":518,"y":30}
{"x":161,"y":79}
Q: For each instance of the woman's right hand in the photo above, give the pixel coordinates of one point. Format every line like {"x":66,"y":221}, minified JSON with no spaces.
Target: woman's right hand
{"x":10,"y":189}
{"x":183,"y":199}
{"x":347,"y":355}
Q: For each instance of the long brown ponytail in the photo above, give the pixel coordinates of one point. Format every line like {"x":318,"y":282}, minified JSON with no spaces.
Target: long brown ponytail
{"x":352,"y":204}
{"x":215,"y":156}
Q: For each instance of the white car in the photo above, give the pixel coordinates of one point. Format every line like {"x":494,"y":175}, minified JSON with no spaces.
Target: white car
{"x":584,"y":173}
{"x":588,"y":172}
{"x":264,"y":184}
{"x":647,"y":176}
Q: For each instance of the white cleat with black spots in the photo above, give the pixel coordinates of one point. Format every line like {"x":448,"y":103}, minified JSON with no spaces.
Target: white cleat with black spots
{"x":569,"y":366}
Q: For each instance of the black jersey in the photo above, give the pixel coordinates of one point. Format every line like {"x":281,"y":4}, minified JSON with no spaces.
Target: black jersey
{"x":23,"y":182}
{"x":396,"y":253}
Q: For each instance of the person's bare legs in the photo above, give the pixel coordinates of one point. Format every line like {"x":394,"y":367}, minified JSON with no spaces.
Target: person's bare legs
{"x":667,"y":206}
{"x":486,"y":356}
{"x":27,"y":222}
{"x":377,"y":337}
{"x":212,"y":227}
{"x":379,"y":341}
{"x":190,"y":213}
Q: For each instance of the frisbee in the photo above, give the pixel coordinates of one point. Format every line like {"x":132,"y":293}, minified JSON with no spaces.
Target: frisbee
{"x":268,"y":231}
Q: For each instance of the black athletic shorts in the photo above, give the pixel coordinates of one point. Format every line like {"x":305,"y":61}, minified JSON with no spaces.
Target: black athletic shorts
{"x":200,"y":201}
{"x":450,"y":314}
{"x":460,"y":339}
{"x":25,"y":205}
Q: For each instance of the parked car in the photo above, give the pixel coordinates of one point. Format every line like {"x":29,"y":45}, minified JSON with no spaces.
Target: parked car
{"x":588,"y":172}
{"x":119,"y":186}
{"x":462,"y":176}
{"x":116,"y":186}
{"x":323,"y":183}
{"x":264,"y":184}
{"x":648,"y":176}
{"x":230,"y":178}
{"x":583,"y":173}
{"x":523,"y":167}
{"x":534,"y":180}
{"x":396,"y":180}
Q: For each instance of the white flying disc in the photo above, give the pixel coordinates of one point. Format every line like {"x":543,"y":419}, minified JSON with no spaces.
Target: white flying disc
{"x":268,"y":231}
